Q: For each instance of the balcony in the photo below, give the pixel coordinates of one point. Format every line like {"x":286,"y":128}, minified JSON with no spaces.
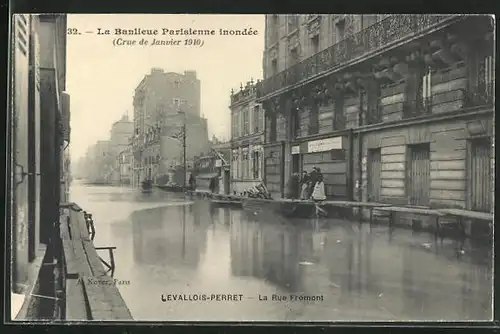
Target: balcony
{"x":244,"y":93}
{"x":376,"y":37}
{"x":475,"y":96}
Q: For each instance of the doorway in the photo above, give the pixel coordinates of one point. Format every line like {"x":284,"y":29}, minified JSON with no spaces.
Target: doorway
{"x":227,"y":181}
{"x":296,"y":163}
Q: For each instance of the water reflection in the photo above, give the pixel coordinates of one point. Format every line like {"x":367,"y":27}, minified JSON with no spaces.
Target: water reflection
{"x":167,"y":245}
{"x":170,"y":235}
{"x":400,"y":273}
{"x":265,"y":251}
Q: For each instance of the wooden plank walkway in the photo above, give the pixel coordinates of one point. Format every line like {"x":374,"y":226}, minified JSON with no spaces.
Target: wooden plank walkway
{"x":90,"y":293}
{"x":486,"y":216}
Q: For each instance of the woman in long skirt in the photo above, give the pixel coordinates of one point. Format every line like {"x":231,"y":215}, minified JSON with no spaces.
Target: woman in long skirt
{"x":319,"y":195}
{"x":304,"y":192}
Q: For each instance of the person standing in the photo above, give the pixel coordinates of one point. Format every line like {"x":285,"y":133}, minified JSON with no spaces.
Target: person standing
{"x":294,"y":186}
{"x":319,"y":194}
{"x":304,"y":183}
{"x":313,"y":178}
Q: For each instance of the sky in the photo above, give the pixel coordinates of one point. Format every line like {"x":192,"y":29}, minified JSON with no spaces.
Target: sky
{"x":101,"y":77}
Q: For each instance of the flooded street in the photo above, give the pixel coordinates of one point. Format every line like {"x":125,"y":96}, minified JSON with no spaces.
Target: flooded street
{"x":333,"y":270}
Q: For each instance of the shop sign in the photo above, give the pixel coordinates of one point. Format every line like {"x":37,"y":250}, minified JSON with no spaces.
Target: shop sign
{"x":296,"y":149}
{"x":323,"y":145}
{"x":218,"y":163}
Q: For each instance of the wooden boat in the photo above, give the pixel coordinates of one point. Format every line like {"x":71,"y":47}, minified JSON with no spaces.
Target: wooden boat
{"x":147,"y":186}
{"x":283,"y":207}
{"x":171,"y":188}
{"x":225,"y":200}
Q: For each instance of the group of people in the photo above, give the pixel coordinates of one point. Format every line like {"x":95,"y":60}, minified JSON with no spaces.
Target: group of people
{"x":307,"y":185}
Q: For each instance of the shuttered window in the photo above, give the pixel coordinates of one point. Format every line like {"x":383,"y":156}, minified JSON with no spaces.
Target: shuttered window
{"x":480,"y":184}
{"x":373,"y":175}
{"x":418,"y":174}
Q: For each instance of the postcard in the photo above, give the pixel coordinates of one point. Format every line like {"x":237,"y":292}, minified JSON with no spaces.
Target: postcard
{"x":243,"y":168}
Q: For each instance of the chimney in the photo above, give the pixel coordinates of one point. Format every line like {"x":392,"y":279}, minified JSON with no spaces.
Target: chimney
{"x":190,"y":74}
{"x":156,"y":70}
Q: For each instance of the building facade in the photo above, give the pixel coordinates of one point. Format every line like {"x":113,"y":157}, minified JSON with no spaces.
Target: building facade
{"x":38,"y":121}
{"x":125,"y":165}
{"x":163,"y":103}
{"x":393,"y":108}
{"x":247,"y":139}
{"x":120,"y":134}
{"x":214,"y":163}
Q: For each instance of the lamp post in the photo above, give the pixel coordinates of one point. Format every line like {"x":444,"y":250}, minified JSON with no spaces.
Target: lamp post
{"x":184,"y":186}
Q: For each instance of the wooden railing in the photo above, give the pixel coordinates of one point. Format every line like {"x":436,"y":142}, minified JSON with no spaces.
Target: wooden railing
{"x":379,"y":35}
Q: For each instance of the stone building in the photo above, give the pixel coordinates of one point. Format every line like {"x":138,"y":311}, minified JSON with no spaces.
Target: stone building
{"x":247,"y":137}
{"x":125,"y":163}
{"x":120,"y":134}
{"x":38,"y":143}
{"x":163,"y":103}
{"x":393,"y":108}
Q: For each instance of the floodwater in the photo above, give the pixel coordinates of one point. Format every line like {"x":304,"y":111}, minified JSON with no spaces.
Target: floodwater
{"x":182,"y":259}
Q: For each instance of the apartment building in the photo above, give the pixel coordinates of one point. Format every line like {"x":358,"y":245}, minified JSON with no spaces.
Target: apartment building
{"x":247,"y":138}
{"x":392,"y":108}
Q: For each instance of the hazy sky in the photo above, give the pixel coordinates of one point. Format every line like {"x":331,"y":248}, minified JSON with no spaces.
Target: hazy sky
{"x":101,"y":78}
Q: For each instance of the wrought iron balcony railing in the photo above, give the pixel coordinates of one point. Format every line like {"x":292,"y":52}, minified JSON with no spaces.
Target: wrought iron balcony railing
{"x":377,"y":36}
{"x":419,"y":107}
{"x":480,"y":95}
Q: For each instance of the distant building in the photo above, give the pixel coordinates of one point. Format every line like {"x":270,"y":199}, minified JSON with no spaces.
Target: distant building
{"x":247,"y":138}
{"x":125,"y":160}
{"x":163,"y":103}
{"x":120,"y":134}
{"x":100,"y":163}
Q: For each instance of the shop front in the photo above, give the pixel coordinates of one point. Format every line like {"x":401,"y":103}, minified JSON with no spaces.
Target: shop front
{"x":330,"y":155}
{"x":247,"y":165}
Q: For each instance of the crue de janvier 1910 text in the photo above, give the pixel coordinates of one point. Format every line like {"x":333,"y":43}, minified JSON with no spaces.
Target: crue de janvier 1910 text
{"x":187,"y":37}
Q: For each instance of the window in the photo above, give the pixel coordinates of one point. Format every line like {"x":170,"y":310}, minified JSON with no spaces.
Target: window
{"x":234,"y":164}
{"x":368,"y":20}
{"x":274,"y":67}
{"x":262,"y":124}
{"x":245,"y":164}
{"x":374,"y":168}
{"x":489,"y":76}
{"x":340,"y":26}
{"x":371,"y":103}
{"x":246,"y":122}
{"x":256,"y":119}
{"x":234,"y":125}
{"x":256,"y":164}
{"x":425,"y":88}
{"x":418,"y":93}
{"x":418,"y":174}
{"x":272,"y":121}
{"x":274,"y":29}
{"x":315,"y":44}
{"x":293,"y":22}
{"x":480,"y":178}
{"x":314,"y":120}
{"x":294,"y":57}
{"x":338,"y":114}
{"x":176,"y":102}
{"x":239,"y":129}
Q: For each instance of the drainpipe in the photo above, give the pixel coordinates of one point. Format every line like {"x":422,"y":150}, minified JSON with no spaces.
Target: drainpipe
{"x":350,"y":166}
{"x":360,"y":155}
{"x":282,"y":169}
